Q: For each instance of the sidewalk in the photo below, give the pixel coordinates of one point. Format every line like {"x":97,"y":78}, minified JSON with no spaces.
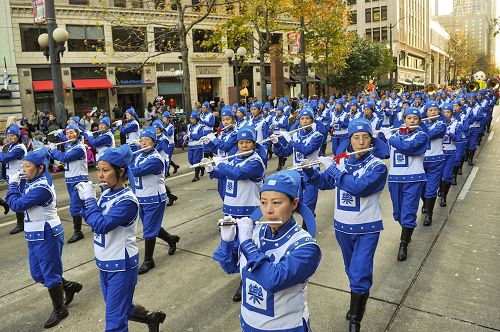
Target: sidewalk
{"x":457,"y":285}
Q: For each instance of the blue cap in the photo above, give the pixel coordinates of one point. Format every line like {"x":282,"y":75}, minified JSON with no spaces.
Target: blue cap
{"x":242,"y":109}
{"x":430,"y":104}
{"x":131,"y":110}
{"x":447,"y":107}
{"x":75,"y":118}
{"x":412,"y":110}
{"x":306,"y":111}
{"x":482,"y":92}
{"x":14,"y":130}
{"x":166,"y":114}
{"x":38,"y":157}
{"x":247,"y":133}
{"x":369,"y":105}
{"x":227,"y":111}
{"x":106,"y":121}
{"x":195,"y":115}
{"x":120,"y":157}
{"x":471,"y":95}
{"x":267,"y":105}
{"x":149,"y":132}
{"x":73,"y":126}
{"x":281,"y":107}
{"x":257,"y":104}
{"x":286,"y":182}
{"x":158,"y":124}
{"x":206,"y":104}
{"x":359,"y":125}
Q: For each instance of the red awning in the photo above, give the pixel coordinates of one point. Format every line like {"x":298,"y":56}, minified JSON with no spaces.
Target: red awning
{"x":92,"y":84}
{"x":45,"y":86}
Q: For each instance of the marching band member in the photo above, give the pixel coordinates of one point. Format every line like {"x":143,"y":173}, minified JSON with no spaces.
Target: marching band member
{"x":12,"y":161}
{"x":475,"y":117}
{"x":340,"y":121}
{"x":433,"y":160}
{"x":105,"y":140}
{"x":43,"y":231}
{"x":149,"y":182}
{"x":163,"y":148}
{"x":359,"y":181}
{"x":195,"y":146}
{"x":113,"y":218}
{"x":225,"y":144}
{"x":406,"y":175}
{"x":453,"y":134}
{"x":461,"y":141}
{"x":304,"y":145}
{"x":370,"y":114}
{"x":207,"y":119}
{"x":276,"y":261}
{"x":131,"y":128}
{"x":169,"y":132}
{"x":75,"y":171}
{"x":279,"y":123}
{"x":258,"y":122}
{"x":323,"y":117}
{"x":241,"y":117}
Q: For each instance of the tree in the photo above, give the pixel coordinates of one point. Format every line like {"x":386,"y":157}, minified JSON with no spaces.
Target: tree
{"x":176,"y":20}
{"x":261,"y":21}
{"x":462,"y":56}
{"x":366,"y":60}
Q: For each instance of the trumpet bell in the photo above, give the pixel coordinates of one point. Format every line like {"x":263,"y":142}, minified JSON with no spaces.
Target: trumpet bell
{"x":493,"y":83}
{"x":472,"y":86}
{"x":366,"y":89}
{"x":399,"y":88}
{"x":430,"y":89}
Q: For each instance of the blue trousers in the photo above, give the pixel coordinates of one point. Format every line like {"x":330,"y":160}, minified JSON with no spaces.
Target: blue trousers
{"x":45,"y":258}
{"x":449,"y":163}
{"x":118,"y":292}
{"x":405,"y":198}
{"x":474,"y":133}
{"x":336,"y":140}
{"x":195,"y":155}
{"x":309,"y":195}
{"x":221,"y":187}
{"x":151,"y":216}
{"x":74,"y":200}
{"x":460,"y":153}
{"x":434,"y":173}
{"x":358,"y":251}
{"x":170,"y":152}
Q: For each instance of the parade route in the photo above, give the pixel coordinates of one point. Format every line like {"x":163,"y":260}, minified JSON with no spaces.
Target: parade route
{"x":449,"y":282}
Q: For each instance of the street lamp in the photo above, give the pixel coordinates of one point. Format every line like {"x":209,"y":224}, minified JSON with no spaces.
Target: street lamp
{"x":52,"y":44}
{"x":180,"y":76}
{"x":241,"y":52}
{"x":392,"y":26}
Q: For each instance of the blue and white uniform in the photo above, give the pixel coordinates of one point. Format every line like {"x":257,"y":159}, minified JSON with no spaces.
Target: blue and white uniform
{"x":340,"y":121}
{"x":102,"y":142}
{"x":195,"y":146}
{"x":261,"y":127}
{"x":452,"y":135}
{"x":132,"y":131}
{"x":434,"y":157}
{"x":12,"y":158}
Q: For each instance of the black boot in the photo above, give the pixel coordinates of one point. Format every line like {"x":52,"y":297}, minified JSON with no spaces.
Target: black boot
{"x":446,"y":189}
{"x":6,"y":207}
{"x":196,"y":174}
{"x":19,"y":223}
{"x":237,"y":295}
{"x":152,"y":318}
{"x":70,"y":289}
{"x":424,"y":210}
{"x":59,"y":311}
{"x":471,"y":157}
{"x":280,"y":164}
{"x":357,"y":311}
{"x":171,"y":197}
{"x":77,"y":235}
{"x":455,"y":173}
{"x":460,"y":168}
{"x":429,"y":204}
{"x":175,"y":166}
{"x":488,"y":128}
{"x":170,"y":239}
{"x":149,"y":249}
{"x":202,"y":171}
{"x":405,"y":240}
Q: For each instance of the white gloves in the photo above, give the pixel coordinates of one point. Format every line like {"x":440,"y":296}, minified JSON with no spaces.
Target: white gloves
{"x":118,"y":123}
{"x":185,"y":137}
{"x":211,"y":137}
{"x":86,"y":190}
{"x":209,"y":167}
{"x":52,"y":146}
{"x":217,"y":160}
{"x":245,"y":229}
{"x":304,"y":163}
{"x":59,"y":131}
{"x":274,"y":138}
{"x":286,"y":136}
{"x":204,"y":140}
{"x":387,"y":132}
{"x":326,"y":161}
{"x":15,"y":179}
{"x":227,"y":233}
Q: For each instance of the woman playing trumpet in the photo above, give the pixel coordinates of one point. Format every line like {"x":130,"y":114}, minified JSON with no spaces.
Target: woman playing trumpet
{"x":148,"y":169}
{"x":75,"y":171}
{"x":113,"y":218}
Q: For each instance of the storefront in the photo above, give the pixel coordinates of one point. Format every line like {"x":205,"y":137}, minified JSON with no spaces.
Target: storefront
{"x":208,"y":83}
{"x":91,"y":93}
{"x":171,"y":88}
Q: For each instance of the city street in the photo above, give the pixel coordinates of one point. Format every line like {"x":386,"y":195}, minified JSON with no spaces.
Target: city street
{"x":449,"y":282}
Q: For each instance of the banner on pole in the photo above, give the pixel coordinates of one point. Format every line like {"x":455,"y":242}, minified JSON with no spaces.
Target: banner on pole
{"x":39,"y":12}
{"x":293,"y":42}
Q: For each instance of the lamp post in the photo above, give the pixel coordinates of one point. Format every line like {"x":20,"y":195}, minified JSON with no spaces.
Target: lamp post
{"x":52,"y":44}
{"x":235,"y":62}
{"x":392,"y":26}
{"x":180,"y":76}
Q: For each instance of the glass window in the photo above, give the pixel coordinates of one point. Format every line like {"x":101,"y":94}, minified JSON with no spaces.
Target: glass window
{"x":129,"y":39}
{"x":85,"y":99}
{"x":368,"y":15}
{"x":166,"y":40}
{"x":198,"y":37}
{"x":85,"y":38}
{"x":41,"y":74}
{"x":196,"y":5}
{"x":353,"y":17}
{"x":376,"y":34}
{"x":351,"y":2}
{"x":29,"y":37}
{"x":78,"y":73}
{"x":78,"y":2}
{"x":383,"y":13}
{"x":368,"y":33}
{"x":376,"y":14}
{"x":137,"y":4}
{"x":384,"y":34}
{"x":120,"y":3}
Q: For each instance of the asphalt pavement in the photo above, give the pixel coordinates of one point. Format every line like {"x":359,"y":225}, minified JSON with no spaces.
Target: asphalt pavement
{"x":450,"y":281}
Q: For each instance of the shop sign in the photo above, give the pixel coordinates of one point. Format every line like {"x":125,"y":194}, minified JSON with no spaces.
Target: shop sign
{"x":207,"y":70}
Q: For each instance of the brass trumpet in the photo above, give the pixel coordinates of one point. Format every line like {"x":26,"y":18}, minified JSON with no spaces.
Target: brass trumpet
{"x":493,"y":83}
{"x":472,"y":86}
{"x":399,"y":88}
{"x":430,"y":89}
{"x":366,"y":89}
